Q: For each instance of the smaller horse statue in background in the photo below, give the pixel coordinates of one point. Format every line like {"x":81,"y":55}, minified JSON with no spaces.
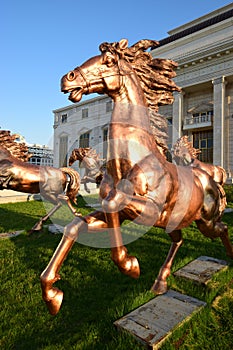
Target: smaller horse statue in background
{"x":55,"y":185}
{"x":184,"y":154}
{"x":93,"y":164}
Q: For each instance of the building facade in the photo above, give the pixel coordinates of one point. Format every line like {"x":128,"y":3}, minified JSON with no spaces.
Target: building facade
{"x":203,"y":110}
{"x":83,"y":124}
{"x":40,"y":155}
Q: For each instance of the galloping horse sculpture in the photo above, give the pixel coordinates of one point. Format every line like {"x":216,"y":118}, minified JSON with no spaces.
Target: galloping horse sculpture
{"x":94,"y":166}
{"x":139,"y":185}
{"x":55,"y":185}
{"x":183,"y":153}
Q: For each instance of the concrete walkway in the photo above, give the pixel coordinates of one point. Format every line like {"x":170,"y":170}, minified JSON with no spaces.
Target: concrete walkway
{"x":9,"y":196}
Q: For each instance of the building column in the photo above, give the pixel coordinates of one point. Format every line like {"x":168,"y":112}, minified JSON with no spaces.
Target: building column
{"x":177,"y":116}
{"x":218,"y":120}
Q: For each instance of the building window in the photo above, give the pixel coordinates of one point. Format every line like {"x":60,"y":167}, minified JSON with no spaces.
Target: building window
{"x":63,"y":151}
{"x":204,"y":141}
{"x":64,"y":118}
{"x":108,"y":106}
{"x":105,"y":144}
{"x":84,"y":140}
{"x":85,"y":113}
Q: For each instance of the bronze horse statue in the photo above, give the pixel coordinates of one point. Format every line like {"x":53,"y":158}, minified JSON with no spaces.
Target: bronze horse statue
{"x":183,"y":153}
{"x":93,"y":164}
{"x":55,"y":185}
{"x":139,"y":184}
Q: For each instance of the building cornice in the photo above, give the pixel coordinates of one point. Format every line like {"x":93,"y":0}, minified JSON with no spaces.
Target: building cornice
{"x":80,"y":104}
{"x":201,"y":19}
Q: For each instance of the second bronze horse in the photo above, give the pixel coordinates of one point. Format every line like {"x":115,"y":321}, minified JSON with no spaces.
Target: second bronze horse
{"x":55,"y":185}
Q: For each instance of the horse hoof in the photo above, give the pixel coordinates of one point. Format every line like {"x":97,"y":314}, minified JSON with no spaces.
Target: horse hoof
{"x":159,"y":287}
{"x":54,"y":304}
{"x":130,"y":267}
{"x":35,"y":228}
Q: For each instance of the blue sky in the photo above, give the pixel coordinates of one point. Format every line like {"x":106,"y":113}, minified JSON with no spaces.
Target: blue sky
{"x":41,"y":40}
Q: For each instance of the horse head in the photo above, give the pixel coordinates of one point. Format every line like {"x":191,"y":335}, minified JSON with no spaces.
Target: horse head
{"x":183,"y":153}
{"x":100,"y":74}
{"x":103,"y":73}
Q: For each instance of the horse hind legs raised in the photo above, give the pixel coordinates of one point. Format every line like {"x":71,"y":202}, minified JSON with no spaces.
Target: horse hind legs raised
{"x":160,"y":284}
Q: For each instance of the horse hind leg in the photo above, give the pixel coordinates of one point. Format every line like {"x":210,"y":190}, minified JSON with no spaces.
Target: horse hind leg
{"x":126,"y":263}
{"x":215,"y":230}
{"x":160,"y":284}
{"x":39,"y":225}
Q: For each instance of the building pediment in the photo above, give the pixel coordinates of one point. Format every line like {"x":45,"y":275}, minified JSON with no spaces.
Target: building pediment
{"x":84,"y":130}
{"x":201,"y":108}
{"x":62,"y":134}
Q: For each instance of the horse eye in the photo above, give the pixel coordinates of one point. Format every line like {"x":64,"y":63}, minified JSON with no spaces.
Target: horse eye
{"x":71,"y":75}
{"x":109,"y":60}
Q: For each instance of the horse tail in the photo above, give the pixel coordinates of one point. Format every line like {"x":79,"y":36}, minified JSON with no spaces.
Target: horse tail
{"x":220,"y":175}
{"x":74,"y":184}
{"x":224,"y":175}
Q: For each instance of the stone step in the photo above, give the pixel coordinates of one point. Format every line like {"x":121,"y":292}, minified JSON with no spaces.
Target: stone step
{"x":202,"y":269}
{"x":154,"y":321}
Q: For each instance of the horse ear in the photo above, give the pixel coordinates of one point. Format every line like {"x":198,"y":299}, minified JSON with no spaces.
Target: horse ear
{"x":123,"y":44}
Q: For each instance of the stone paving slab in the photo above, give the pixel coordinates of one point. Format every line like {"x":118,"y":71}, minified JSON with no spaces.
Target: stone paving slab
{"x":202,"y":269}
{"x":10,"y":234}
{"x":154,"y":321}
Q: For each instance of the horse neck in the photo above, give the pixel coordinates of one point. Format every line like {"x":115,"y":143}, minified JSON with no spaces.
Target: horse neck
{"x":130,"y":105}
{"x":130,"y":135}
{"x":4,"y":153}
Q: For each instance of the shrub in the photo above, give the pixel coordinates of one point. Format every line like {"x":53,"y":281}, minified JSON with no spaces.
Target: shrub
{"x":229,"y":193}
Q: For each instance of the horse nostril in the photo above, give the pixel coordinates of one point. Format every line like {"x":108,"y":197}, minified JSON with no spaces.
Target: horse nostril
{"x":71,"y":75}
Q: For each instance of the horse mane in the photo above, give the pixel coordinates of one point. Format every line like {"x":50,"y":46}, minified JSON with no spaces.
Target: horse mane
{"x":155,"y":76}
{"x":83,"y":152}
{"x":183,"y":142}
{"x":17,"y":149}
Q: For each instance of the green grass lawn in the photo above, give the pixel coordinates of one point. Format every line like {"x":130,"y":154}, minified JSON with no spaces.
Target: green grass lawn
{"x":96,"y":293}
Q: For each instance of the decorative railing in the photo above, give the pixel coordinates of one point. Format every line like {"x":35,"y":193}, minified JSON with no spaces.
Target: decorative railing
{"x":198,"y":121}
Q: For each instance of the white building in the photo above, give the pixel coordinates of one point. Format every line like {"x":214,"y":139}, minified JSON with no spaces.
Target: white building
{"x":203,"y":110}
{"x":83,"y":124}
{"x":40,"y":155}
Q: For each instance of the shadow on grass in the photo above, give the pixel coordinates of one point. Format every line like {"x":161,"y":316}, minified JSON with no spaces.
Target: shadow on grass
{"x":95,"y":292}
{"x":20,"y":216}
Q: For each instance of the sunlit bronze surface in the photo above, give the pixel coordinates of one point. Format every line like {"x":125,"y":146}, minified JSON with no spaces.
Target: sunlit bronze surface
{"x":93,"y":164}
{"x":185,"y":154}
{"x":55,"y":185}
{"x":139,"y":183}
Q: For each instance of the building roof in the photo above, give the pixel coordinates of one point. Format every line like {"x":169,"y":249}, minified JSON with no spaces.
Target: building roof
{"x":199,"y":26}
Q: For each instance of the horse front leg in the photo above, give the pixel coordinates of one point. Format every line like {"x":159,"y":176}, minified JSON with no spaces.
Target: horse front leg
{"x":52,"y":295}
{"x":127,"y":264}
{"x":160,"y":284}
{"x":66,"y":199}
